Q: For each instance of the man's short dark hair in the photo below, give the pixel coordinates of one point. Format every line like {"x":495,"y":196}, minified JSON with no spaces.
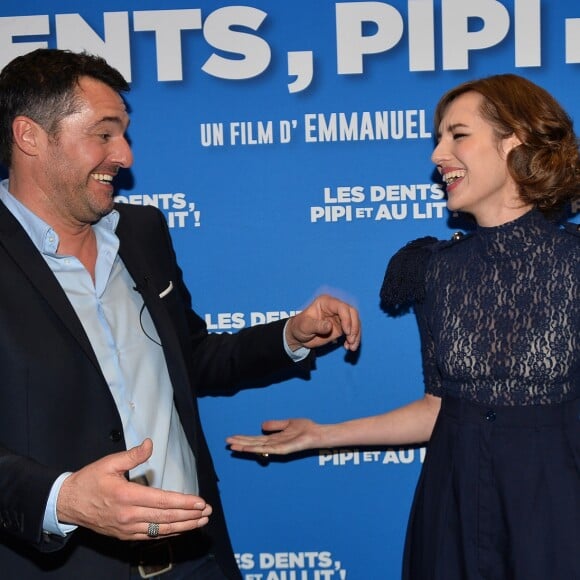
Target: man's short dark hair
{"x":42,"y":85}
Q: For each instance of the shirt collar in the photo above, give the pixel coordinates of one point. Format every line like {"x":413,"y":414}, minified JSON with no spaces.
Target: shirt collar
{"x":42,"y":235}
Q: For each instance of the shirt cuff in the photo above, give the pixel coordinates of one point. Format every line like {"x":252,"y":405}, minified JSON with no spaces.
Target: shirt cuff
{"x":298,"y":354}
{"x":51,"y":525}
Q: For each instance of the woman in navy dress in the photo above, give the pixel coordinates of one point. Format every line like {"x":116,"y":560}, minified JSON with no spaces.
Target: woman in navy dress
{"x":499,"y":318}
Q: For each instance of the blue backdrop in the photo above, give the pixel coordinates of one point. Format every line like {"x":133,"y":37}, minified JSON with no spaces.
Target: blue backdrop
{"x":288,"y":143}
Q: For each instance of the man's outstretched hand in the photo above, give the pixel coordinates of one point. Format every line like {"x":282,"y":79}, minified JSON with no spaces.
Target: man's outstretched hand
{"x":325,"y":320}
{"x":99,"y":497}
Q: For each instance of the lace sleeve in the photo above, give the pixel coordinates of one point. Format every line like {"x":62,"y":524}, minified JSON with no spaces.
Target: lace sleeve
{"x":404,"y":281}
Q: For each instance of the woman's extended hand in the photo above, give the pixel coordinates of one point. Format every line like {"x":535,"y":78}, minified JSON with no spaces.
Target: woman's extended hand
{"x":284,"y":437}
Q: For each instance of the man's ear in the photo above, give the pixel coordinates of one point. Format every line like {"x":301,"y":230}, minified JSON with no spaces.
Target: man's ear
{"x":28,"y":135}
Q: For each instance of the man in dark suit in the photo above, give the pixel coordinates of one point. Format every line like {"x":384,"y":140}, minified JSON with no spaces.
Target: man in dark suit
{"x":104,"y":469}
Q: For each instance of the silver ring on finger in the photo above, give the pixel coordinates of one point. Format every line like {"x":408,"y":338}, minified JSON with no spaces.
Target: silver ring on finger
{"x":153,"y":530}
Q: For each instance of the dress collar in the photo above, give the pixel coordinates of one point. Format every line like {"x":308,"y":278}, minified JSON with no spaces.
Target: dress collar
{"x":515,"y":237}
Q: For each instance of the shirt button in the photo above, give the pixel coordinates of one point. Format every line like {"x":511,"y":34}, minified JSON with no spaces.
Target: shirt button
{"x":490,"y":416}
{"x":115,"y":435}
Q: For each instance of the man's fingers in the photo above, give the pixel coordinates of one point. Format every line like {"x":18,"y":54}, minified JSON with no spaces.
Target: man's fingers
{"x":320,"y":327}
{"x":137,"y":455}
{"x":124,"y":461}
{"x":149,"y":532}
{"x":175,"y":517}
{"x":171,"y":522}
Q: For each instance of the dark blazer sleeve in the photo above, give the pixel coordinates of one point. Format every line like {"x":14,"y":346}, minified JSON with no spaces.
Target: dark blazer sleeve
{"x":25,"y":486}
{"x":217,"y":363}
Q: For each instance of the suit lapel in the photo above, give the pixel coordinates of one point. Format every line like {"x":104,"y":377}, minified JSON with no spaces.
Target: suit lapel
{"x":25,"y":255}
{"x":145,"y":278}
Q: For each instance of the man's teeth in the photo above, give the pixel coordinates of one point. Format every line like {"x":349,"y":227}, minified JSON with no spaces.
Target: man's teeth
{"x":103,"y":177}
{"x":452,"y":176}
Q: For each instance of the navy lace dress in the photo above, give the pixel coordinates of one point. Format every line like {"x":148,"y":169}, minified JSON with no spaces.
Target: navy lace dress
{"x":499,"y":315}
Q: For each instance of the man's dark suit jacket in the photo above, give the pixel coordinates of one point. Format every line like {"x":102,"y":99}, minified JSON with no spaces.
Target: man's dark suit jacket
{"x":57,"y":413}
